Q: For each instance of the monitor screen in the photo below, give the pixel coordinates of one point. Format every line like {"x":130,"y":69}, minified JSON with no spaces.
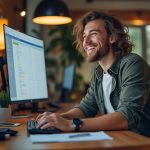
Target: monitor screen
{"x":67,"y":83}
{"x":68,"y":77}
{"x":66,"y":86}
{"x":26,"y":66}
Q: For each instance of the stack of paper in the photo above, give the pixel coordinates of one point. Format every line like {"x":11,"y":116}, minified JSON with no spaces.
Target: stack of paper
{"x":70,"y":137}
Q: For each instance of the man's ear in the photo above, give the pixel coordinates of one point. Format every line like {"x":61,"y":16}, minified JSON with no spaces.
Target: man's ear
{"x":112,"y":39}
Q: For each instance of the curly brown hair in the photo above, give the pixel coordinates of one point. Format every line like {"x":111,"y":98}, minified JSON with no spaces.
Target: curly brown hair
{"x":113,"y":26}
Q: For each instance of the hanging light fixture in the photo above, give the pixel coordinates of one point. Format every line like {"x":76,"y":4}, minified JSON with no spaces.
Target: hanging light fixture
{"x":52,"y":12}
{"x":139,"y":19}
{"x":2,"y":22}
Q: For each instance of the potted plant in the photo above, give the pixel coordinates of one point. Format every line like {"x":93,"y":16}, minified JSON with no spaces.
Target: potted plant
{"x":5,"y":110}
{"x":4,"y":99}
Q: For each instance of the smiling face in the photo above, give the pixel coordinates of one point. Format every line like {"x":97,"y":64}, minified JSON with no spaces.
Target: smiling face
{"x":96,"y":41}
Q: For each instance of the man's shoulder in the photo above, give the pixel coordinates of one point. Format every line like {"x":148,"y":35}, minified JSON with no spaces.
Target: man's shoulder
{"x":132,"y":58}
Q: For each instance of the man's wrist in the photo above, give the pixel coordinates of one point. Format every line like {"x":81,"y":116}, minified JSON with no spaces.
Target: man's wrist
{"x":76,"y":124}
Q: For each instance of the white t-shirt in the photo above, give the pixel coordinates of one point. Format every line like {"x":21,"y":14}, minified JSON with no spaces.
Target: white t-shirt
{"x":107,"y":85}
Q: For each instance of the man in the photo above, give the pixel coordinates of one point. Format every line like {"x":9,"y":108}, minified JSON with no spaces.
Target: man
{"x":120,"y":85}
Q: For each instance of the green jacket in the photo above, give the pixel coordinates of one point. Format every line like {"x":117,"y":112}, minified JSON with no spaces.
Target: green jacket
{"x":130,"y":92}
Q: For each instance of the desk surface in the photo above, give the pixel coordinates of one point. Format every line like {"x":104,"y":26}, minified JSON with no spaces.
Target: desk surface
{"x":122,"y":140}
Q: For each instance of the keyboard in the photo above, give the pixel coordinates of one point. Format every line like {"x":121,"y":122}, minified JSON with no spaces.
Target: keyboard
{"x":31,"y":128}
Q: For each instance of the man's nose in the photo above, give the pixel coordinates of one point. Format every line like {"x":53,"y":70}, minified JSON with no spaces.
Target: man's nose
{"x":87,"y":39}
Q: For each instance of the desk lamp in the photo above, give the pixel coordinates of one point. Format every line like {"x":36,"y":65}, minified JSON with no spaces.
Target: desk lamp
{"x":2,"y":53}
{"x":52,"y":12}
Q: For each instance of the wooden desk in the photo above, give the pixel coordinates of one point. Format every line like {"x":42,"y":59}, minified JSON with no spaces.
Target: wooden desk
{"x":122,"y":140}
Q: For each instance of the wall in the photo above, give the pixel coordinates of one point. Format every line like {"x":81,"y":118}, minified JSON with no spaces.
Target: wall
{"x":124,"y":9}
{"x":7,"y":10}
{"x":103,"y":4}
{"x":108,"y":4}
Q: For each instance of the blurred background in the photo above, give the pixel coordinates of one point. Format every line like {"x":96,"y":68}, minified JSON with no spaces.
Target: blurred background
{"x":58,"y":39}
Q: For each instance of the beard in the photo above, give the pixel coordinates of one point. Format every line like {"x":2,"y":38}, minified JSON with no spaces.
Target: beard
{"x":98,"y":54}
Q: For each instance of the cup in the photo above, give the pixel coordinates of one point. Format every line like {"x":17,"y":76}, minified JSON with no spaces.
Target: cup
{"x":5,"y":114}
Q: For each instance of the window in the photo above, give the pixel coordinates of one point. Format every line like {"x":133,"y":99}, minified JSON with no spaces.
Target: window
{"x":147,"y":28}
{"x":135,"y":37}
{"x":140,"y":36}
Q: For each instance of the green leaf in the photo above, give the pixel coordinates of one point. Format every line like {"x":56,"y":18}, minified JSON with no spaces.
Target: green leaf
{"x":4,"y":99}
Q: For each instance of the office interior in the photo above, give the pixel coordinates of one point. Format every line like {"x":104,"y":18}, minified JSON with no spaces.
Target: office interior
{"x":133,"y":13}
{"x":128,"y":11}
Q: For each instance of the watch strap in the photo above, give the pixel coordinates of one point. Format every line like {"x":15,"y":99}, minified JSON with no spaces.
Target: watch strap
{"x":77,"y":124}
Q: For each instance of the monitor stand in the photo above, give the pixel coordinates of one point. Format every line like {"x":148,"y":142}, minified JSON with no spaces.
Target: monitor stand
{"x":35,"y":108}
{"x":63,"y":98}
{"x":20,"y":115}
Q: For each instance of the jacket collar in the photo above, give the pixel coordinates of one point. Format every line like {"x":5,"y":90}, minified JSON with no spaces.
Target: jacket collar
{"x":113,"y":70}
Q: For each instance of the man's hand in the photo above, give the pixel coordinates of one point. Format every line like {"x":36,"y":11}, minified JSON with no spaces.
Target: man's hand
{"x":48,"y":119}
{"x":43,"y":114}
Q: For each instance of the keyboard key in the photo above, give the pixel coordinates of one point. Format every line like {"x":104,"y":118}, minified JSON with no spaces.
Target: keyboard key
{"x":31,"y":128}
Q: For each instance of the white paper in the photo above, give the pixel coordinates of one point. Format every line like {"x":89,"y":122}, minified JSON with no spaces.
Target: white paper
{"x":66,"y":137}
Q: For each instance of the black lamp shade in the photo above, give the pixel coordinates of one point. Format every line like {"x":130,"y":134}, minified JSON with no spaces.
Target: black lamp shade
{"x":47,"y":10}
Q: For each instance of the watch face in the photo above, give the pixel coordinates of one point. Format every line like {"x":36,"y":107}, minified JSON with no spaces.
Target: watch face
{"x":77,"y":122}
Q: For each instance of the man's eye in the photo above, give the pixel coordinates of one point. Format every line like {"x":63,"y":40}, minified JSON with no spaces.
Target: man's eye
{"x":94,"y":33}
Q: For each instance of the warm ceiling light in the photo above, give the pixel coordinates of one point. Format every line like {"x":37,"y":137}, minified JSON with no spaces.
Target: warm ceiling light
{"x":2,"y":22}
{"x":52,"y":20}
{"x":22,"y":13}
{"x":138,"y":22}
{"x":52,"y":12}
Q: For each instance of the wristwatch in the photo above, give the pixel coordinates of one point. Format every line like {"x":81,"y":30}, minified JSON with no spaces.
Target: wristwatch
{"x":77,"y":124}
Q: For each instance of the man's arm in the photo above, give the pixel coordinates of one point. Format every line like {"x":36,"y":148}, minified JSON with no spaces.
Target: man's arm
{"x":112,"y":121}
{"x":73,"y":113}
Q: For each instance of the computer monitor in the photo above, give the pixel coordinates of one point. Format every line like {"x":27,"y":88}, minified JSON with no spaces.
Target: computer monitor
{"x":26,"y":67}
{"x":66,"y":86}
{"x":68,"y":78}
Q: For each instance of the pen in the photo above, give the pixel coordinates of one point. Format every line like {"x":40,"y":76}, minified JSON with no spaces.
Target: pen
{"x":79,"y":135}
